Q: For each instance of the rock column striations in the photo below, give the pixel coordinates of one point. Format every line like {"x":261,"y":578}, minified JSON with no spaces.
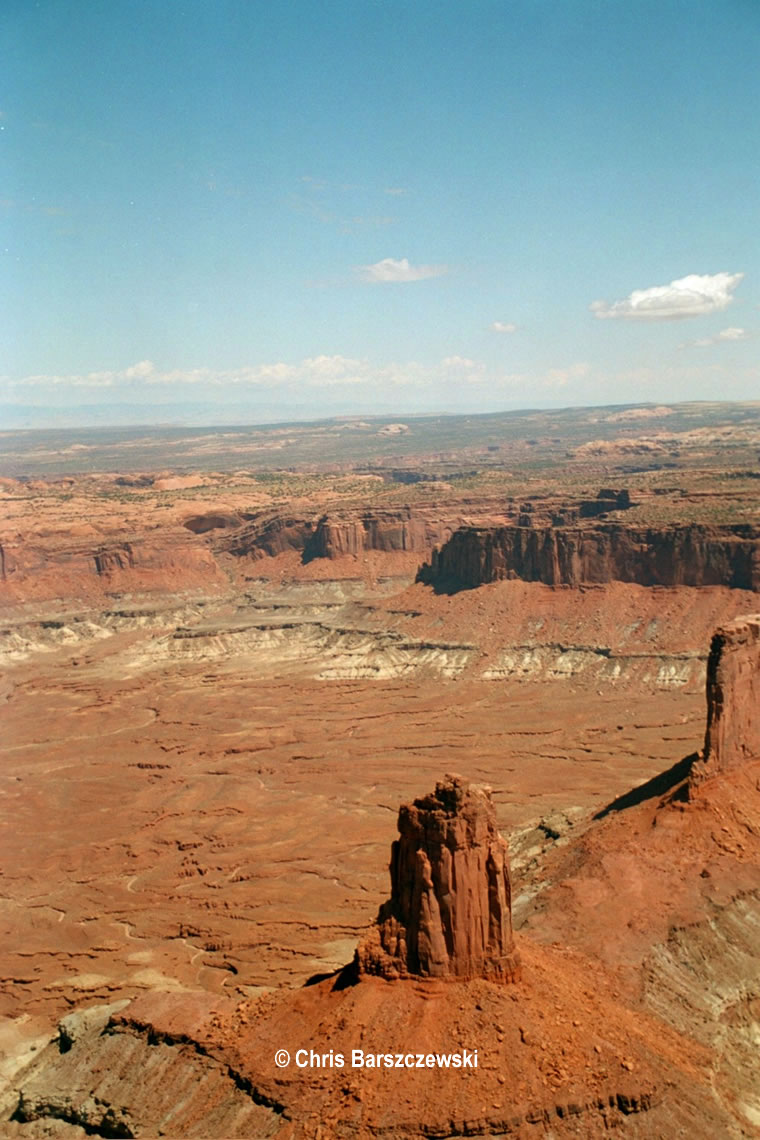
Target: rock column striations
{"x":733,"y":700}
{"x":690,"y":555}
{"x":449,"y":914}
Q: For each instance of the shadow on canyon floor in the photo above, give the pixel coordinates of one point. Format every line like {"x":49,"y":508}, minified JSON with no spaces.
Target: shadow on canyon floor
{"x":675,"y":777}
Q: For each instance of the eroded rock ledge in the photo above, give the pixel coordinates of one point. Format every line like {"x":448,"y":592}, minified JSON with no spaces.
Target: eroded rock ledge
{"x":449,"y":914}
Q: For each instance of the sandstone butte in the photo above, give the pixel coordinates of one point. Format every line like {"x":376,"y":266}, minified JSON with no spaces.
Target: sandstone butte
{"x":684,"y":555}
{"x":450,"y":910}
{"x":640,"y":1022}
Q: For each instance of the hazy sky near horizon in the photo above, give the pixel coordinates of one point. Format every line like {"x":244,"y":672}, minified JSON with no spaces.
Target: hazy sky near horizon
{"x":356,"y":206}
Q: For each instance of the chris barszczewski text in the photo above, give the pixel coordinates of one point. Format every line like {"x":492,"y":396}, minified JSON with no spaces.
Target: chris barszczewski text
{"x":358,"y":1059}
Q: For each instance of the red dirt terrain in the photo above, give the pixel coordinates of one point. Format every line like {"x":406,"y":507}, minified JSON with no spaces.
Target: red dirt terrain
{"x":575,"y":1040}
{"x":216,"y":696}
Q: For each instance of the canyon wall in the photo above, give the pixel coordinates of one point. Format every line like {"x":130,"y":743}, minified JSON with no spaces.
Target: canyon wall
{"x":37,"y":570}
{"x":46,"y":563}
{"x":689,"y":555}
{"x":336,"y":534}
{"x":467,"y":543}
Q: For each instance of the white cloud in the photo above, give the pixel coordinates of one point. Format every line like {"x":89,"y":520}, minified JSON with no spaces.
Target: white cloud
{"x":460,"y":362}
{"x":326,"y":370}
{"x":724,"y":335}
{"x":312,"y":372}
{"x":146,"y":380}
{"x":692,"y":296}
{"x":560,"y":377}
{"x":140,"y":371}
{"x":502,"y":327}
{"x":278,"y":373}
{"x":315,"y":371}
{"x":463,"y":368}
{"x":391,"y":270}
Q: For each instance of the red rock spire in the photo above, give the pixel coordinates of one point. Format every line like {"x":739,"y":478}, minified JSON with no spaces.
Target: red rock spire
{"x":733,"y":700}
{"x":449,"y":914}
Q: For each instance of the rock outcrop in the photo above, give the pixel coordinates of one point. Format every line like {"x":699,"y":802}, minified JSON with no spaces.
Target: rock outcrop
{"x":213,"y":520}
{"x":732,"y":738}
{"x":449,"y":914}
{"x":388,"y":531}
{"x":85,"y":570}
{"x":607,"y":500}
{"x":341,"y":533}
{"x":691,"y":555}
{"x":267,"y":534}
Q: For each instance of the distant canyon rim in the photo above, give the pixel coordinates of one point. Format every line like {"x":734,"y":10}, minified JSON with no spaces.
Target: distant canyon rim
{"x":219,"y":685}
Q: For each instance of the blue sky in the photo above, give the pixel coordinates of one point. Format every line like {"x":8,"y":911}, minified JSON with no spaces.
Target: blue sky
{"x":300,"y":209}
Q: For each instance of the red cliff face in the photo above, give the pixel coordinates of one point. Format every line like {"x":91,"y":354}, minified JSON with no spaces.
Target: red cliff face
{"x":449,"y":914}
{"x":574,"y":556}
{"x":733,"y":700}
{"x":343,"y":533}
{"x":36,"y":571}
{"x":268,"y":534}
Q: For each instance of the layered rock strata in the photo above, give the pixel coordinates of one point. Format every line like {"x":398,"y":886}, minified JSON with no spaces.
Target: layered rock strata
{"x":691,"y":555}
{"x":38,"y":570}
{"x":342,"y":533}
{"x":449,"y":914}
{"x":732,"y":738}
